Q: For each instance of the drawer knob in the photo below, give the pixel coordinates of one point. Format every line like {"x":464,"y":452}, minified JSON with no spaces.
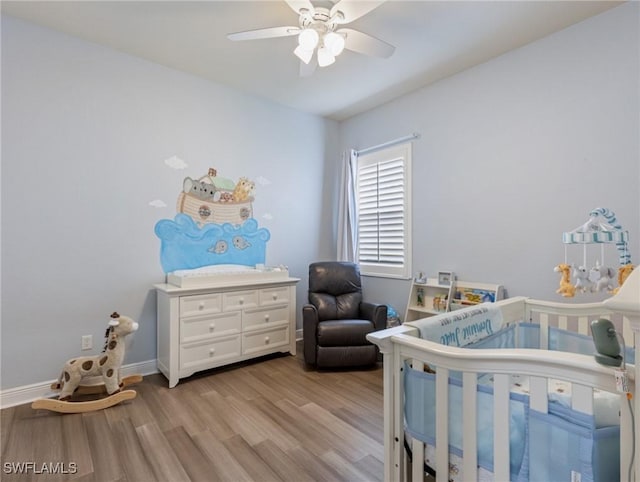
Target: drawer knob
{"x":266,"y":317}
{"x":212,"y":326}
{"x":201,"y":305}
{"x":212,"y":351}
{"x":241,"y":300}
{"x":275,"y":296}
{"x":266,"y":340}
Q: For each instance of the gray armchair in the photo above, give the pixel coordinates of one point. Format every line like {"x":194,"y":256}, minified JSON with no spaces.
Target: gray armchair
{"x":336,"y":321}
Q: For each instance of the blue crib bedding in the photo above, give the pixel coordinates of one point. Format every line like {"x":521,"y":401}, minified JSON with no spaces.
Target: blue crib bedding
{"x":551,"y":446}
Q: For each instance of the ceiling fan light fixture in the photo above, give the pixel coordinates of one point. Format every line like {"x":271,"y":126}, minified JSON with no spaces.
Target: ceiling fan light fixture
{"x":321,"y":32}
{"x":325,"y":57}
{"x":308,"y":39}
{"x":302,"y":54}
{"x":334,"y":42}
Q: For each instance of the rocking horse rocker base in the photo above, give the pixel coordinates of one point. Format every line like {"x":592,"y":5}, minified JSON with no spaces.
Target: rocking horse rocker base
{"x":67,"y":406}
{"x":62,"y":406}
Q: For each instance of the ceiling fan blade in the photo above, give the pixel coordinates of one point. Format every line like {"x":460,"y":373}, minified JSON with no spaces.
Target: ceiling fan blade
{"x":307,"y":70}
{"x":366,"y":44}
{"x":353,"y":9}
{"x":298,"y":5}
{"x":260,"y":33}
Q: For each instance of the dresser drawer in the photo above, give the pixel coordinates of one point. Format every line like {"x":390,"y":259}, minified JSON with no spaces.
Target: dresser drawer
{"x":265,"y":340}
{"x":203,"y":327}
{"x":207,"y":353}
{"x":265,"y":317}
{"x":273,"y":296}
{"x":200,"y":304}
{"x":239,"y":300}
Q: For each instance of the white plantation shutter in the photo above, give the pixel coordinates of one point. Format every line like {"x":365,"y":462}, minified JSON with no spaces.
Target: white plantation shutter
{"x":383,"y":212}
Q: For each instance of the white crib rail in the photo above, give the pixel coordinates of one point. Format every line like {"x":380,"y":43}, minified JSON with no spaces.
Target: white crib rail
{"x":574,"y":317}
{"x":401,"y":343}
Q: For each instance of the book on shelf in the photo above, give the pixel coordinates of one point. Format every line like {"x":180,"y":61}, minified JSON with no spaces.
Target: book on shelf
{"x":473,"y":296}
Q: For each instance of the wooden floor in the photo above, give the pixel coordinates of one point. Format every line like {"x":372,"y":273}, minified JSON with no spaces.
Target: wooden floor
{"x":267,"y":420}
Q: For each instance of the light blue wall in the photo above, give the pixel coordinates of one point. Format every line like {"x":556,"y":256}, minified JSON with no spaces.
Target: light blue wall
{"x":517,"y":150}
{"x":513,"y":152}
{"x":85,"y":131}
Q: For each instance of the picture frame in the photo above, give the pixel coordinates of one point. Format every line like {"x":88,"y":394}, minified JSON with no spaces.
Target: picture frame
{"x":445,"y":278}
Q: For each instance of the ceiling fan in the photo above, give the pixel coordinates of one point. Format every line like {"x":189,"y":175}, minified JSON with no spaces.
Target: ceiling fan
{"x":320,"y":32}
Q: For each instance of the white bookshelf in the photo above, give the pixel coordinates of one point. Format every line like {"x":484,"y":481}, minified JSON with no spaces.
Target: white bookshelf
{"x":432,"y":298}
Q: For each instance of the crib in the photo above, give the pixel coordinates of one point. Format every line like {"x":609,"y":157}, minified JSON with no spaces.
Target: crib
{"x":460,"y":375}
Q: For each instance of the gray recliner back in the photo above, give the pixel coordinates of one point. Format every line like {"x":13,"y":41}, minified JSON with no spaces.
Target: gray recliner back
{"x":335,"y":289}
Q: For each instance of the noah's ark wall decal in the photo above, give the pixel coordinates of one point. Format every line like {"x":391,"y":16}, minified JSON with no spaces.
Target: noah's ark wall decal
{"x":214,"y":225}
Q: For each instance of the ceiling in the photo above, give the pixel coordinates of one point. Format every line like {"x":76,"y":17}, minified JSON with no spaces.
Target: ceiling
{"x":433,"y":40}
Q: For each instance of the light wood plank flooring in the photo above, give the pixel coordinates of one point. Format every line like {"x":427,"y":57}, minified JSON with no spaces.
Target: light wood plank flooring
{"x":267,"y":420}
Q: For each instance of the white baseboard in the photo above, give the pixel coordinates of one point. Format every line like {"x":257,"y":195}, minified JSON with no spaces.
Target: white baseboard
{"x":29,"y":393}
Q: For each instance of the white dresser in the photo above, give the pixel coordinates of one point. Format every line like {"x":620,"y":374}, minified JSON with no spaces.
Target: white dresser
{"x":206,"y":327}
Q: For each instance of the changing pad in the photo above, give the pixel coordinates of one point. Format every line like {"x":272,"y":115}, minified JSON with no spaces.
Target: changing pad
{"x":225,"y":273}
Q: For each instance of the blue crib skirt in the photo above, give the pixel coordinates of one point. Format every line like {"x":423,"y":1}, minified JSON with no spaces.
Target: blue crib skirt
{"x":420,"y":416}
{"x":561,"y":448}
{"x":543,"y":447}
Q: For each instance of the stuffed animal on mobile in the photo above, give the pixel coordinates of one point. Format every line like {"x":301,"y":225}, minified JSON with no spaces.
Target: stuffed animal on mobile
{"x":623,"y":273}
{"x":566,"y":288}
{"x":602,"y":277}
{"x":583,"y":283}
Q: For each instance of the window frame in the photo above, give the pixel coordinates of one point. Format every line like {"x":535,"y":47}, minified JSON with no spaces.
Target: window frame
{"x":380,"y":269}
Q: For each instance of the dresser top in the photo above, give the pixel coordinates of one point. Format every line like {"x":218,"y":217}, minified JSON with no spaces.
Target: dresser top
{"x":224,"y":285}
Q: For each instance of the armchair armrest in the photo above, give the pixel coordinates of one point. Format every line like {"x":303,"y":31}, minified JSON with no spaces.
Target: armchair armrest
{"x":309,"y":328}
{"x":375,"y":313}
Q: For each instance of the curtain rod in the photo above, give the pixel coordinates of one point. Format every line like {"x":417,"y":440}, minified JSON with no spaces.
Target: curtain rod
{"x":400,"y":140}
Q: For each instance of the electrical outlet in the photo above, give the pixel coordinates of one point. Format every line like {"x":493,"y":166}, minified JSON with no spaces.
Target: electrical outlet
{"x":87,"y":342}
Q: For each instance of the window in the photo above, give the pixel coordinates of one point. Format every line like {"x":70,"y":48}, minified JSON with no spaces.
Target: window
{"x":384,"y":212}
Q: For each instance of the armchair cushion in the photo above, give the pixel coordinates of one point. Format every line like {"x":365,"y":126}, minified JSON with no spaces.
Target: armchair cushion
{"x":335,"y":290}
{"x":344,"y":332}
{"x":332,"y":307}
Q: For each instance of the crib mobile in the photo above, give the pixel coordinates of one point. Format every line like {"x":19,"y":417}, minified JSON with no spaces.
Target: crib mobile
{"x":598,"y":278}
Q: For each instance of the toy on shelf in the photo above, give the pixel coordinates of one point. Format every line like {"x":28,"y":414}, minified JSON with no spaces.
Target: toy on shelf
{"x":601,"y":228}
{"x":106,"y":365}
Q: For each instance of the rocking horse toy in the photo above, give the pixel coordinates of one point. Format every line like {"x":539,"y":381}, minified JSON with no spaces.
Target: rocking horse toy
{"x":105,"y":365}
